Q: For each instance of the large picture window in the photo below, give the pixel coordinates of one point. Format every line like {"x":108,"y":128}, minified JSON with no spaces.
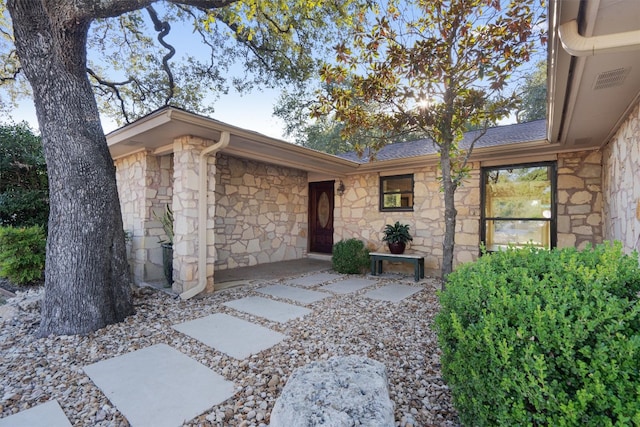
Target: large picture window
{"x":396,"y":193}
{"x":518,"y":206}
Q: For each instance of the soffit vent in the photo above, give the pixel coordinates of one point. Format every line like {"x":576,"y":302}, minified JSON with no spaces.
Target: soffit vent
{"x":582,"y":141}
{"x":611,"y":78}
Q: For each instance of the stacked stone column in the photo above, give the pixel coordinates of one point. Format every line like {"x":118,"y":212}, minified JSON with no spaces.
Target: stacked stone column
{"x":186,"y":151}
{"x":144,"y":187}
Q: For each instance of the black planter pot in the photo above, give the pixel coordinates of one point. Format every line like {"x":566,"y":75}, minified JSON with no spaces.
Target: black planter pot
{"x":397,"y":247}
{"x":167,"y":262}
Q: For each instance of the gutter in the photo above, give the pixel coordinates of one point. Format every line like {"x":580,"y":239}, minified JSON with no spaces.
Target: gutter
{"x":202,"y":216}
{"x":577,"y":45}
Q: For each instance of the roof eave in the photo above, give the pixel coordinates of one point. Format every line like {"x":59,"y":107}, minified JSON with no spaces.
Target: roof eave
{"x":244,"y":143}
{"x":504,"y":151}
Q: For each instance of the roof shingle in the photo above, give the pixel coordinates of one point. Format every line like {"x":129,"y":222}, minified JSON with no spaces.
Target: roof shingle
{"x":496,"y":136}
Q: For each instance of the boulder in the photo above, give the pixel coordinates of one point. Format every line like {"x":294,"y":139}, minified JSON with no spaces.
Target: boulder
{"x":341,"y":391}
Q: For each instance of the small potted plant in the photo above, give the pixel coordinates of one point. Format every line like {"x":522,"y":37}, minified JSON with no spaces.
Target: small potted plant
{"x":167,"y":245}
{"x":397,"y":236}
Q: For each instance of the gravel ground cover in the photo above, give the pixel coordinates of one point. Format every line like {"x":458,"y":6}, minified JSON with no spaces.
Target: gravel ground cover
{"x":35,"y":370}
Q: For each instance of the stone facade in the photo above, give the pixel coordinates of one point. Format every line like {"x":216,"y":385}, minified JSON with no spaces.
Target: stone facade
{"x":186,"y":186}
{"x":258,"y":213}
{"x":579,"y":221}
{"x":261,"y":214}
{"x":579,"y":199}
{"x":145,"y":189}
{"x":621,"y":190}
{"x":357,"y":215}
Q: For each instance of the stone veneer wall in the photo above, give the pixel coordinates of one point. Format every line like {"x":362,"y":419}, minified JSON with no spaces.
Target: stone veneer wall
{"x":579,"y":199}
{"x":357,"y":215}
{"x":144,"y":187}
{"x":579,"y":210}
{"x":261,"y":215}
{"x":621,"y":191}
{"x":186,"y":186}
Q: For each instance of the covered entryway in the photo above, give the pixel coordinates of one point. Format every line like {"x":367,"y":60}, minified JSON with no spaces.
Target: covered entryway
{"x":321,"y":217}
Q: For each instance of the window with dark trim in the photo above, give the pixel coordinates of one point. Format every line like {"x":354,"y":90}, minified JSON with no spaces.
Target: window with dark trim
{"x":396,"y":193}
{"x":519,"y":206}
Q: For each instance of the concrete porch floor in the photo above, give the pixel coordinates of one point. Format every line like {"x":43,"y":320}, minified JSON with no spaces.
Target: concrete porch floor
{"x":273,"y":270}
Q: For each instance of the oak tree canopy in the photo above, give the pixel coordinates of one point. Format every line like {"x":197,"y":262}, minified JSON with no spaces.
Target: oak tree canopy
{"x":130,"y":72}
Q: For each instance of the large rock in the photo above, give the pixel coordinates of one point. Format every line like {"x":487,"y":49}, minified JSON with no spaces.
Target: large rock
{"x":342,"y":391}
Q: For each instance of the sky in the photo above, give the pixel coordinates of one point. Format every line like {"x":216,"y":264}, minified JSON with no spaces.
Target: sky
{"x":252,"y":111}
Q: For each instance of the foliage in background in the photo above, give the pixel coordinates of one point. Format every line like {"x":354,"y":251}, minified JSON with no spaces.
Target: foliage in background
{"x":24,"y":190}
{"x":350,"y":257}
{"x":144,"y":59}
{"x":433,"y":67}
{"x":324,"y":133}
{"x":533,"y":95}
{"x":536,"y":337}
{"x":22,"y":254}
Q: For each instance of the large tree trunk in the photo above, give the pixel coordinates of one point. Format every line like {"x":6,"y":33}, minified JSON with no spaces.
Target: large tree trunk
{"x":87,"y":283}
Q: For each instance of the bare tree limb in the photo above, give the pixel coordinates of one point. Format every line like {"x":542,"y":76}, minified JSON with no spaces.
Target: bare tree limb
{"x":114,"y":89}
{"x":163,"y":28}
{"x":91,"y":9}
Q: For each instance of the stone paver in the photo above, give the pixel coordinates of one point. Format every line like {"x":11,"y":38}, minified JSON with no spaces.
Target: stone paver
{"x":348,"y":285}
{"x":269,"y":309}
{"x":314,"y":279}
{"x":392,"y":293}
{"x":158,"y":386}
{"x":48,"y":414}
{"x":230,"y":335}
{"x":303,"y":296}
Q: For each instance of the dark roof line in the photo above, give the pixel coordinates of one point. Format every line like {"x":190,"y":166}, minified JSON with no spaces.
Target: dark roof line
{"x":495,"y":136}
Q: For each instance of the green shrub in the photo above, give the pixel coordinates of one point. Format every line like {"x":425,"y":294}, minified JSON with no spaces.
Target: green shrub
{"x":22,"y":254}
{"x":350,"y":256}
{"x":535,"y":337}
{"x":24,"y":189}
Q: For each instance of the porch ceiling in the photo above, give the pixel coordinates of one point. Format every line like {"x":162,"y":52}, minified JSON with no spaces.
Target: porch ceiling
{"x":589,"y":96}
{"x":157,"y":131}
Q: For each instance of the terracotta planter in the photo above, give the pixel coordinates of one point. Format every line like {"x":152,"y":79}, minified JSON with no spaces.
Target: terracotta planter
{"x":397,"y":247}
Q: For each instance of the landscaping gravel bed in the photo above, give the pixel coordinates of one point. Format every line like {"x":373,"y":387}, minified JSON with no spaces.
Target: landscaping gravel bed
{"x":36,"y":370}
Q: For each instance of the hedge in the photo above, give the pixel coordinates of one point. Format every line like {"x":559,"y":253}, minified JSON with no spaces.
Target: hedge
{"x":536,"y":337}
{"x":22,"y":254}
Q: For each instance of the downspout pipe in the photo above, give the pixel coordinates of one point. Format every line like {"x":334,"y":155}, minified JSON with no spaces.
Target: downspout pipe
{"x":202,"y":216}
{"x":577,"y":45}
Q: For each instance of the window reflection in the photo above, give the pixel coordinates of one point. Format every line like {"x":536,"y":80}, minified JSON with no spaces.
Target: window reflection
{"x":518,"y":206}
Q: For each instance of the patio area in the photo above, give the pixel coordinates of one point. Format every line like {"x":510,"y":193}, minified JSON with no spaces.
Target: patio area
{"x":299,"y":318}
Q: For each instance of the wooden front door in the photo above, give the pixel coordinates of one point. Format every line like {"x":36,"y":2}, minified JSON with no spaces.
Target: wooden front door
{"x":321,"y":217}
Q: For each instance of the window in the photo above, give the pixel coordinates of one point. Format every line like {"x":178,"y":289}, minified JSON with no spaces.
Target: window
{"x":518,"y":206}
{"x":396,"y":193}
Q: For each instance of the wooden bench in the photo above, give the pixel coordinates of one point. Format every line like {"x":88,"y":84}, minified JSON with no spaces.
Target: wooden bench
{"x":415,"y":259}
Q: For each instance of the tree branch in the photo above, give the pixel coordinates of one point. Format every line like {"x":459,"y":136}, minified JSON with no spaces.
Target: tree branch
{"x":114,"y":89}
{"x":163,"y":29}
{"x":91,"y":9}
